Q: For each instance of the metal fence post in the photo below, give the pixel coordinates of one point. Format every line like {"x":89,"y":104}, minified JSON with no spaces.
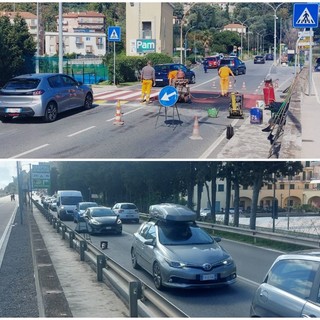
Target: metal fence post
{"x":58,"y":226}
{"x":83,"y":248}
{"x":101,"y":263}
{"x":63,"y":232}
{"x":54,"y":220}
{"x":134,"y":295}
{"x":71,"y":237}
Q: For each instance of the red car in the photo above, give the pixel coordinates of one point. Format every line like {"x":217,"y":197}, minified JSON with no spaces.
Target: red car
{"x":213,"y":62}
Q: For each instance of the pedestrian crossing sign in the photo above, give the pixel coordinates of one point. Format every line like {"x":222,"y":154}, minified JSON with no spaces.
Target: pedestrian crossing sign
{"x":305,"y":15}
{"x":114,"y":34}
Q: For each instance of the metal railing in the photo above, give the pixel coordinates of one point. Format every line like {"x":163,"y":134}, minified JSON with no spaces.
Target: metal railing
{"x":143,"y":301}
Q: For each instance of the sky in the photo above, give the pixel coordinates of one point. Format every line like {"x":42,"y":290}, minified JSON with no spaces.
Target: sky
{"x":8,"y":169}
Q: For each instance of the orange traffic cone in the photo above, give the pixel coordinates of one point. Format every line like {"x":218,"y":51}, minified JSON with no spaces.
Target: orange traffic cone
{"x":118,"y":120}
{"x":195,"y":132}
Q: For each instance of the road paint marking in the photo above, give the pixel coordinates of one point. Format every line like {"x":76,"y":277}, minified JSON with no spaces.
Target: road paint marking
{"x":81,"y":131}
{"x":207,"y":153}
{"x":29,"y":151}
{"x":251,"y":282}
{"x":134,"y":110}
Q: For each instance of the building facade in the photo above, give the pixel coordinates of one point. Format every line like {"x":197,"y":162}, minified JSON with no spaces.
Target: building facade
{"x":83,"y":34}
{"x":149,"y":28}
{"x":294,"y":192}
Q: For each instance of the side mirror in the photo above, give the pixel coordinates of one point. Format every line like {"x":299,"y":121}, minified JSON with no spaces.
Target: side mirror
{"x":217,"y":239}
{"x":149,"y":242}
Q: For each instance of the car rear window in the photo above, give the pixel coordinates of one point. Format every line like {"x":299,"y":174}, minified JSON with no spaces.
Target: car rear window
{"x":128,"y":206}
{"x":225,"y":61}
{"x":161,"y":68}
{"x":22,"y":84}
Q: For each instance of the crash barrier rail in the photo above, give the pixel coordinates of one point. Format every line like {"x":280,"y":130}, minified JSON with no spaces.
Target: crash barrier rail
{"x":142,"y":300}
{"x":312,"y":242}
{"x":278,"y":119}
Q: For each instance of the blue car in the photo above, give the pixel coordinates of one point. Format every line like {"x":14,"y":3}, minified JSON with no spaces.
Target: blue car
{"x":162,"y":71}
{"x":235,"y":64}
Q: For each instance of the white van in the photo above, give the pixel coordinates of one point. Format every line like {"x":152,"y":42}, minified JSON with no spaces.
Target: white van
{"x":67,"y":201}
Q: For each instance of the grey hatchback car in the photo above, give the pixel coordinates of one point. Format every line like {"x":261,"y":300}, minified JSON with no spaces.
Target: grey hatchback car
{"x":42,"y":95}
{"x":180,"y":254}
{"x":291,"y":287}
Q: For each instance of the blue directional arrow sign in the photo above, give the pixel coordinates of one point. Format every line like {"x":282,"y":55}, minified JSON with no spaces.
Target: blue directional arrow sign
{"x":305,"y":15}
{"x":114,"y":34}
{"x":168,"y":96}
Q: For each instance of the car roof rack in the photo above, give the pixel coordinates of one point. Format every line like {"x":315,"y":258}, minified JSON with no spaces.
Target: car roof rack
{"x":171,"y":212}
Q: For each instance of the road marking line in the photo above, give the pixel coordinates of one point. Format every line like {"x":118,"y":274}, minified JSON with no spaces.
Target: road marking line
{"x":29,"y":151}
{"x":134,"y":110}
{"x":81,"y":131}
{"x":207,"y":153}
{"x":251,"y":282}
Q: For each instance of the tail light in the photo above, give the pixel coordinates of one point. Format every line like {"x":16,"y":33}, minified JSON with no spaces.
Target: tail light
{"x":35,"y":93}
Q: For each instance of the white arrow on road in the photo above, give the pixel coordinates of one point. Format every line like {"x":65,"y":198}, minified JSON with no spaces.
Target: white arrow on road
{"x":167,"y":96}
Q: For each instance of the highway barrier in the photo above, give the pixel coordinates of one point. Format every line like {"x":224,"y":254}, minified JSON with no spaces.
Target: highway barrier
{"x":143,"y":301}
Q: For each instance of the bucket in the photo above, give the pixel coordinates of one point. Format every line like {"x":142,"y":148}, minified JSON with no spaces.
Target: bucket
{"x":256,"y":116}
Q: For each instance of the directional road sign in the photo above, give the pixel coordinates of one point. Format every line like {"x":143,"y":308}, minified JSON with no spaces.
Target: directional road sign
{"x":305,"y":15}
{"x":114,"y":34}
{"x":168,"y":96}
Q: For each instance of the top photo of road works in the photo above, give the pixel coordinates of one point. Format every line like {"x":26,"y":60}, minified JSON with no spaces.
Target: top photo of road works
{"x":135,"y":80}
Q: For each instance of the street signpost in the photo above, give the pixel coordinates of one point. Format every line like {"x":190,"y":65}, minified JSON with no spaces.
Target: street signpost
{"x":168,"y":97}
{"x":305,"y":15}
{"x":114,"y":35}
{"x":40,"y":176}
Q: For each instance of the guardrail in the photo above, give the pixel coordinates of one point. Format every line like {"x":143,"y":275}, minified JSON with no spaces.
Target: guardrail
{"x":257,"y":234}
{"x":142,"y":300}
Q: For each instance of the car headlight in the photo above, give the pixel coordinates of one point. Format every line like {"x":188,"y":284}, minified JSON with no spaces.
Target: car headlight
{"x":119,"y":221}
{"x":227,"y":261}
{"x":95,"y":222}
{"x":175,"y":264}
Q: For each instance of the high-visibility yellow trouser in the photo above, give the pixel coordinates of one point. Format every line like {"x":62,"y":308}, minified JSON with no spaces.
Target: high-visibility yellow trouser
{"x":146,"y":89}
{"x":224,"y":84}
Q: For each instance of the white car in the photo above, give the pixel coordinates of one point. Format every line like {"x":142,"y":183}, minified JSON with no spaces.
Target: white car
{"x":205,"y":212}
{"x":127,"y":211}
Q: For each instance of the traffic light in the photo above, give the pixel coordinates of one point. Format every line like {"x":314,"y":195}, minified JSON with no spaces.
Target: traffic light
{"x":275,"y":209}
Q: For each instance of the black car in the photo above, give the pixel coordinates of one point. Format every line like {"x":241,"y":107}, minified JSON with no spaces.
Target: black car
{"x":259,"y":59}
{"x":235,"y":64}
{"x":269,"y":56}
{"x":102,"y":220}
{"x":162,"y":71}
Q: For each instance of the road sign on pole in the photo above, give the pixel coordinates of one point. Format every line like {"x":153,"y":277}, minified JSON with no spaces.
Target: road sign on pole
{"x":114,"y":35}
{"x":168,"y":96}
{"x":305,"y":15}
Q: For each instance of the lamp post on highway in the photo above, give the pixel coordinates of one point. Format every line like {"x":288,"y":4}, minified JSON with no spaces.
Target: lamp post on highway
{"x":275,"y":31}
{"x":241,"y":39}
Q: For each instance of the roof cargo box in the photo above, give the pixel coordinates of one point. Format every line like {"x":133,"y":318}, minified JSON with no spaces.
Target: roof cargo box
{"x":172,"y":212}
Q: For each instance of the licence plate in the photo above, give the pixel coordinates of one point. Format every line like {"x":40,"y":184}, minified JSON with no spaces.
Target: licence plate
{"x":159,"y":79}
{"x":108,"y":228}
{"x":206,"y":277}
{"x":13,"y":110}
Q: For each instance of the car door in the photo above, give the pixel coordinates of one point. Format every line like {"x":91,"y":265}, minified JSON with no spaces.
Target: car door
{"x":59,"y":92}
{"x":76,"y":95}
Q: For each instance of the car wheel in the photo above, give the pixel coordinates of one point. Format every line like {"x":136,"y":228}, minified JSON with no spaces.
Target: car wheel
{"x":193,"y":80}
{"x":157,"y":278}
{"x":236,"y":72}
{"x":88,"y":101}
{"x":134,"y":262}
{"x":51,"y":112}
{"x":244,"y":71}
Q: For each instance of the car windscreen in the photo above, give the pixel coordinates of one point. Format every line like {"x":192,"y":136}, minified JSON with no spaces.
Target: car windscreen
{"x":102,"y":213}
{"x":22,"y":84}
{"x":182,"y":234}
{"x":70,"y":200}
{"x":84,"y":206}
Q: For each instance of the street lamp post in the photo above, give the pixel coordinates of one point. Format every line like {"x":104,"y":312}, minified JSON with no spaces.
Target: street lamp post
{"x":275,"y":31}
{"x":185,"y":44}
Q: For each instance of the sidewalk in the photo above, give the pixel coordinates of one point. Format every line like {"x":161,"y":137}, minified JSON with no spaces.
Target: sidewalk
{"x":300,"y":139}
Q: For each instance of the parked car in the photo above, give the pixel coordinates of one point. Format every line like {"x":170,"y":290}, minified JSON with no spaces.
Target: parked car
{"x":178,"y":253}
{"x":162,"y":71}
{"x":269,"y":56}
{"x":102,"y":220}
{"x":205,"y":212}
{"x":81,"y":207}
{"x":259,"y":59}
{"x":213,"y":62}
{"x":42,"y":95}
{"x":127,"y":211}
{"x":290,"y":288}
{"x":235,"y":64}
